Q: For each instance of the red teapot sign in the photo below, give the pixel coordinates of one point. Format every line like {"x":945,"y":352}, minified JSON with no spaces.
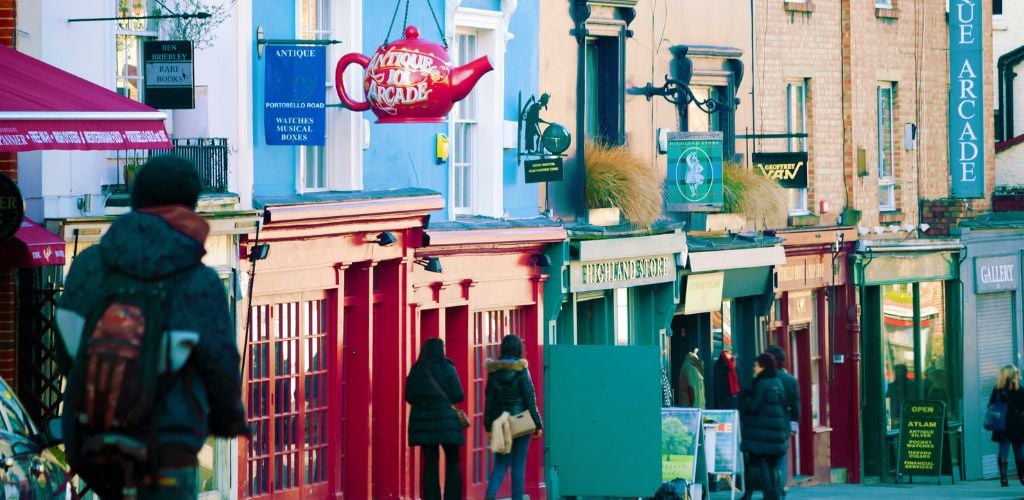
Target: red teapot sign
{"x":410,"y":80}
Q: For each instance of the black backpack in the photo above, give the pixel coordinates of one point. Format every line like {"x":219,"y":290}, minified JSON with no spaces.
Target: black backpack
{"x":116,"y":386}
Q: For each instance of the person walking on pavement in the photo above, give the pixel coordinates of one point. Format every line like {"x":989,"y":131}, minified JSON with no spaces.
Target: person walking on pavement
{"x":159,"y":245}
{"x":765,"y":429}
{"x":791,"y":401}
{"x":510,"y":389}
{"x":432,"y":388}
{"x":1008,"y":390}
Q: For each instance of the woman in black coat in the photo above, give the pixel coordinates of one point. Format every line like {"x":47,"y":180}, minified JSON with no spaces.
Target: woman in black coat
{"x":765,"y":428}
{"x":1007,"y":390}
{"x":432,"y":388}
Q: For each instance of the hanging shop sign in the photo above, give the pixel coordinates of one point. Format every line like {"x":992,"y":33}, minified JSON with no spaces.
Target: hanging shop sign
{"x":703,"y":293}
{"x":410,"y":80}
{"x":680,"y":435}
{"x":694,"y":180}
{"x":788,"y":169}
{"x":12,"y":208}
{"x":909,"y":268}
{"x":543,"y":170}
{"x":294,"y":107}
{"x":801,"y":307}
{"x":996,"y":274}
{"x":168,"y":74}
{"x":922,"y":425}
{"x":621,"y":273}
{"x":966,"y":99}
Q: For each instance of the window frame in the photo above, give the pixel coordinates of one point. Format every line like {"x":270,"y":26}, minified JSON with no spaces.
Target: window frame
{"x":140,"y":30}
{"x":322,"y":30}
{"x":486,"y":190}
{"x":797,"y":144}
{"x":886,"y":176}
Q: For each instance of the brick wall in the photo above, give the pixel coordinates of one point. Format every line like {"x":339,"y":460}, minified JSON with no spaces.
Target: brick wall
{"x":944,"y":214}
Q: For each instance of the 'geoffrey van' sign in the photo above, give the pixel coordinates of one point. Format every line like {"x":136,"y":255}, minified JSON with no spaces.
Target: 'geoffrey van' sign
{"x":294,"y":108}
{"x":966,"y":99}
{"x":995,"y":274}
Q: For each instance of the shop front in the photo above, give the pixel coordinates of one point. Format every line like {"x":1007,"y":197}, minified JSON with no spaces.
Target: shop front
{"x":991,"y":277}
{"x":351,"y":287}
{"x":910,"y":299}
{"x":809,"y":311}
{"x":609,"y":302}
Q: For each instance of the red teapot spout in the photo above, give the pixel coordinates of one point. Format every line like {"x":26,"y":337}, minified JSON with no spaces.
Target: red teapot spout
{"x":464,"y":77}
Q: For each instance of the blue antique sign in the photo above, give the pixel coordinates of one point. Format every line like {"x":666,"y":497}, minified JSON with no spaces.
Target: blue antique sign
{"x":694,"y":180}
{"x":966,"y":99}
{"x":296,"y":91}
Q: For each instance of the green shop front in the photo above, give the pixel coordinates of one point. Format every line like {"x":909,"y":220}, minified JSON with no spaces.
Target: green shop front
{"x":608,"y":304}
{"x":910,"y":303}
{"x":991,"y":276}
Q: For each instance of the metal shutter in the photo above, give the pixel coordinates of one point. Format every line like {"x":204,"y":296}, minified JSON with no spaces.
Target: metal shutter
{"x":995,"y":350}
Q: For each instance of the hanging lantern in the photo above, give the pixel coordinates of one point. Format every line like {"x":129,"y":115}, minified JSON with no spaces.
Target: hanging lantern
{"x":410,"y":80}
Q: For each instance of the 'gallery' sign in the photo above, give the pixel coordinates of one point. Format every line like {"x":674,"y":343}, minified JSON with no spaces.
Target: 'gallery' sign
{"x":966,"y":99}
{"x":788,"y":169}
{"x":296,"y":93}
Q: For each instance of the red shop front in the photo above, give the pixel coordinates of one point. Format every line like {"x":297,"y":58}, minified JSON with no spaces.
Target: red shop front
{"x":347,"y":293}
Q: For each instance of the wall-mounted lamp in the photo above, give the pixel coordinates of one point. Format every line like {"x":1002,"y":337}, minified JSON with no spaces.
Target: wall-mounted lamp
{"x":259,"y":252}
{"x":541,"y":260}
{"x":385,"y":239}
{"x":432,"y":265}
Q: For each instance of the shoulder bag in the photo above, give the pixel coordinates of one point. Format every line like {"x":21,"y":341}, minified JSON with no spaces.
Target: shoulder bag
{"x":461,"y":415}
{"x":521,"y":423}
{"x":995,"y":416}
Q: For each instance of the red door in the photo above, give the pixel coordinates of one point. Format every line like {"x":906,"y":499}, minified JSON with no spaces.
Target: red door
{"x":287,"y":391}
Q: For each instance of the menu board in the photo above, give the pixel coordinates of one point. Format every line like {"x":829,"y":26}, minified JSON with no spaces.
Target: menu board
{"x":922,"y":424}
{"x":680,"y":435}
{"x":721,"y":441}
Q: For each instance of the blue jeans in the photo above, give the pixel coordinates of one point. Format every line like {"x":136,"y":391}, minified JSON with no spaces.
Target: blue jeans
{"x":1004,"y":449}
{"x":517,"y":460}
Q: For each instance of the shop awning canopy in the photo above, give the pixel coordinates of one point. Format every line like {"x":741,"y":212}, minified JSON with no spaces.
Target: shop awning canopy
{"x":43,"y":107}
{"x":32,"y":246}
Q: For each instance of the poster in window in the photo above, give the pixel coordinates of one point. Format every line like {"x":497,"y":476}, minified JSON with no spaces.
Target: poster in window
{"x":295,"y":95}
{"x":694,"y":180}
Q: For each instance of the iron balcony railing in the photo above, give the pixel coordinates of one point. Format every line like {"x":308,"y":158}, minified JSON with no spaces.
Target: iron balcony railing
{"x":209,"y":155}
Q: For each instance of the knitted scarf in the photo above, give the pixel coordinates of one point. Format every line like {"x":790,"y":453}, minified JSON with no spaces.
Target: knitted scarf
{"x":734,"y":380}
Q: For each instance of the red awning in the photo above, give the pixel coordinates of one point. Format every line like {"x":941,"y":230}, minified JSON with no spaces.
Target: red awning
{"x":43,"y":107}
{"x":32,"y":246}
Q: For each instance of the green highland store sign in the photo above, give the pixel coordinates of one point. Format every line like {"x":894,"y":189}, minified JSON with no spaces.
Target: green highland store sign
{"x":619,"y":273}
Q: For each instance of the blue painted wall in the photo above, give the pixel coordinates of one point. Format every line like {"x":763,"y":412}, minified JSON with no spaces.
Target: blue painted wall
{"x":401,"y":155}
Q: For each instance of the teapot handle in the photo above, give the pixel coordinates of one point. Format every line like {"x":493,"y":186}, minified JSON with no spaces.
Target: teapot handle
{"x":339,"y":80}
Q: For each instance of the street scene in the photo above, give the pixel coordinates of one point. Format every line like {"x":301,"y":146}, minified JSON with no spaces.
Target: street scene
{"x":507,"y":249}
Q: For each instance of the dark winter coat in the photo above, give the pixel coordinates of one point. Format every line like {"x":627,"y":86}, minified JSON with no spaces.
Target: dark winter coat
{"x":432,"y":419}
{"x":206,"y":396}
{"x":721,"y":397}
{"x":792,"y":394}
{"x":763,"y":419}
{"x":509,"y":388}
{"x":1014,"y":416}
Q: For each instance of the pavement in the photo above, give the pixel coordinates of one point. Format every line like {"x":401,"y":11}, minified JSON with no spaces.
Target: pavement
{"x":917,"y":491}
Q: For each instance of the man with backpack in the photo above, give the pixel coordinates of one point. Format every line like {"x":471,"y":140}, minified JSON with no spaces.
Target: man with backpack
{"x":791,"y":401}
{"x":155,"y":363}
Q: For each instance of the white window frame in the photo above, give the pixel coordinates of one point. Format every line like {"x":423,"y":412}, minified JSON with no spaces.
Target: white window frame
{"x":136,"y":29}
{"x":797,"y":124}
{"x":346,"y":130}
{"x":320,"y":31}
{"x":886,"y":176}
{"x":486,"y":189}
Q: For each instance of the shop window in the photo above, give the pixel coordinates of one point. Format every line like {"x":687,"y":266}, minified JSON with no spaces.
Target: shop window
{"x":886,"y":147}
{"x":489,"y":327}
{"x":721,"y":329}
{"x":129,"y":35}
{"x":796,"y":123}
{"x":621,"y":298}
{"x":914,"y":346}
{"x":287,"y":391}
{"x":815,"y":362}
{"x":475,"y":123}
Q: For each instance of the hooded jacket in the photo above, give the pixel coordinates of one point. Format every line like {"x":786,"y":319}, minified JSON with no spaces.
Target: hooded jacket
{"x":205,"y":396}
{"x":763,"y":418}
{"x":509,"y":388}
